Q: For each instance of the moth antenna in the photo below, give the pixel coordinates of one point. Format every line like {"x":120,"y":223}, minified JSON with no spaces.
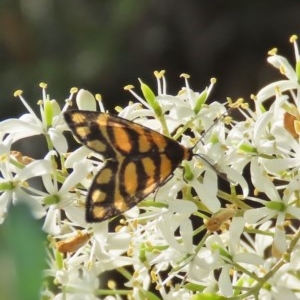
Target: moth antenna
{"x":220,"y":174}
{"x":217,"y":120}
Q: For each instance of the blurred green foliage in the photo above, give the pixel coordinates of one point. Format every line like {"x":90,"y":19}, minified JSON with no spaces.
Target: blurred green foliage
{"x":22,"y":255}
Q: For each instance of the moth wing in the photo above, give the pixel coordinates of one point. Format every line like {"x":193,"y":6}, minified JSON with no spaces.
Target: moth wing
{"x":110,"y":135}
{"x":123,"y":183}
{"x":90,"y":128}
{"x":100,"y":198}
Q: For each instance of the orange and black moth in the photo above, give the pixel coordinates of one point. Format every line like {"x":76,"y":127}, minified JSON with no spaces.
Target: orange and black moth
{"x":137,"y":161}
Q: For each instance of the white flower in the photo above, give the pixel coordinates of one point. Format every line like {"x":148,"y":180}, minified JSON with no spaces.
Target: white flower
{"x":79,"y":284}
{"x":231,"y":253}
{"x":165,"y":241}
{"x":50,"y":124}
{"x":59,"y":198}
{"x":277,"y":207}
{"x":14,"y":185}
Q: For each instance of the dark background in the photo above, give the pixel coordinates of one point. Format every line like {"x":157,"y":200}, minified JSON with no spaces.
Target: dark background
{"x":103,"y":45}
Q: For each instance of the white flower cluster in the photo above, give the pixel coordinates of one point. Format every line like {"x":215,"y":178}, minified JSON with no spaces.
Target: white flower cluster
{"x":195,"y":236}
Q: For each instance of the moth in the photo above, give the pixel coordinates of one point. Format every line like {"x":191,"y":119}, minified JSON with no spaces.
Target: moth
{"x":137,"y":161}
{"x":73,"y":243}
